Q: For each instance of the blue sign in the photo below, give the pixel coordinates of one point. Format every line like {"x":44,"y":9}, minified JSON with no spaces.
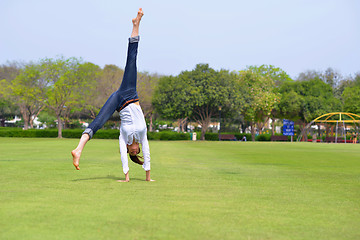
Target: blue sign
{"x":288,"y":128}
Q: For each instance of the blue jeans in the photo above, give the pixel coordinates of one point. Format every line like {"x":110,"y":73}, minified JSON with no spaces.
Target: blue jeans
{"x":125,"y":95}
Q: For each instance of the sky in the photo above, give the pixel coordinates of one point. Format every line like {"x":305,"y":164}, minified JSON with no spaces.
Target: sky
{"x":296,"y":35}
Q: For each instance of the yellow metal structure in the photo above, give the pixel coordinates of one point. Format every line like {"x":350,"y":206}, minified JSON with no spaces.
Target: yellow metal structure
{"x":354,"y":118}
{"x":335,"y":117}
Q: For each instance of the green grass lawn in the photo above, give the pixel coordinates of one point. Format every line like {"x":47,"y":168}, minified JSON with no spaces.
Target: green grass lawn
{"x":203,"y":190}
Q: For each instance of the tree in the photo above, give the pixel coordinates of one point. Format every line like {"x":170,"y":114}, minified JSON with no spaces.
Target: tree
{"x":345,"y":83}
{"x":28,"y":91}
{"x":47,"y":119}
{"x":332,"y":78}
{"x":68,"y":80}
{"x":259,"y":97}
{"x":7,"y":110}
{"x":351,"y":98}
{"x":308,"y":75}
{"x":291,"y":104}
{"x":196,"y":94}
{"x":319,"y":98}
{"x":11,"y":70}
{"x":172,"y":98}
{"x":279,"y":77}
{"x":8,"y":72}
{"x":146,"y":85}
{"x":108,"y":81}
{"x":304,"y":100}
{"x":87,"y":73}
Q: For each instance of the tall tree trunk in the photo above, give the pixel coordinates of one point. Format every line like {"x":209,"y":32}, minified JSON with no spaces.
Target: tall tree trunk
{"x":272,"y":126}
{"x":261,"y":124}
{"x":26,"y":121}
{"x":259,"y":127}
{"x":31,"y":121}
{"x":182,"y":124}
{"x":35,"y":114}
{"x":179,"y":125}
{"x":151,"y":122}
{"x":304,"y":137}
{"x":25,"y":115}
{"x":204,"y":127}
{"x":203,"y":131}
{"x":59,"y":126}
{"x":203,"y":117}
{"x":252,"y":126}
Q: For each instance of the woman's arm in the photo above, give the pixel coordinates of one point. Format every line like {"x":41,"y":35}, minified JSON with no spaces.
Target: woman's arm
{"x":146,"y":152}
{"x":123,"y":153}
{"x":146,"y":155}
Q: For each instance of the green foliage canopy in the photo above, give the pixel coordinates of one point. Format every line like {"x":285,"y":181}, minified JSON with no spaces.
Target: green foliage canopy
{"x":68,"y":80}
{"x":197,"y":94}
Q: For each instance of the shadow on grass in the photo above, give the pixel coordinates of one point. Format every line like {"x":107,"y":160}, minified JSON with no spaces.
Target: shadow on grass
{"x":107,"y":177}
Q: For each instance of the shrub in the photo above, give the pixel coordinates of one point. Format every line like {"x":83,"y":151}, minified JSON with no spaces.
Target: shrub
{"x":210,"y":136}
{"x":153,"y":136}
{"x":263,"y":137}
{"x":107,"y":134}
{"x":168,"y":135}
{"x":114,"y":134}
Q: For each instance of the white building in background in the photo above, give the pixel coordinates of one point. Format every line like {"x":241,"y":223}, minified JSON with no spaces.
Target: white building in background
{"x":16,"y":119}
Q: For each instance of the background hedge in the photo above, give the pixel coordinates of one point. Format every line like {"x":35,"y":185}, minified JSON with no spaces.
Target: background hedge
{"x":76,"y":133}
{"x":114,"y":134}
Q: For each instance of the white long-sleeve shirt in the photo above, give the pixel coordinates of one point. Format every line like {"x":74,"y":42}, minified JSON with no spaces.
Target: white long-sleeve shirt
{"x":133,"y":126}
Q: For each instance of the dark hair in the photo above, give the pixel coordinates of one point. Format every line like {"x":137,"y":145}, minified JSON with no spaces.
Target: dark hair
{"x":136,"y":159}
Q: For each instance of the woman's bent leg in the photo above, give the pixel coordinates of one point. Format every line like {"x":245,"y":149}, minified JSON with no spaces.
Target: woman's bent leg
{"x":105,"y":113}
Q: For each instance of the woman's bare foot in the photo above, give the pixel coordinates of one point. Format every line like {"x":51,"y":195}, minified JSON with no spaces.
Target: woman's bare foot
{"x":123,"y":180}
{"x":137,"y":20}
{"x":76,"y":159}
{"x":136,"y":23}
{"x":151,"y":180}
{"x":76,"y":153}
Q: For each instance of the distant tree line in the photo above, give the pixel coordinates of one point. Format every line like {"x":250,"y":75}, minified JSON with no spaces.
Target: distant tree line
{"x":71,"y":89}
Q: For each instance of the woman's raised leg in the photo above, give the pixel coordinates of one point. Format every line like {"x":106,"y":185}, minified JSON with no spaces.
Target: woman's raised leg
{"x":130,"y":74}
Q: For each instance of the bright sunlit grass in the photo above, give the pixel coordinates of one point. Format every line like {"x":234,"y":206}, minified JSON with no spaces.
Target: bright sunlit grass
{"x":203,"y":190}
